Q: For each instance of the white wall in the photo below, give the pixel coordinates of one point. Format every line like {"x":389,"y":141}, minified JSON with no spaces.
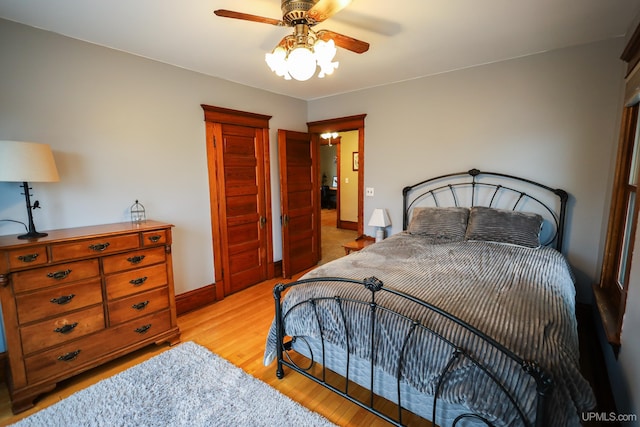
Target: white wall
{"x":348,"y":177}
{"x":551,"y":117}
{"x":122,"y":128}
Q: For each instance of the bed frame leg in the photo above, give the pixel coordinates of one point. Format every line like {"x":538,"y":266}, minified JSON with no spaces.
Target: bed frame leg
{"x":277,"y":294}
{"x":544,"y":387}
{"x":280,"y":371}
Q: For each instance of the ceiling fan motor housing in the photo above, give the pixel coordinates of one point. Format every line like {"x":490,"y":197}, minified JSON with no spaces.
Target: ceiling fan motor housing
{"x":294,"y":11}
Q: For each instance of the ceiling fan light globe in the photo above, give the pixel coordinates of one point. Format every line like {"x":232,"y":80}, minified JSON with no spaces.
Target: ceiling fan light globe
{"x":277,"y":60}
{"x":325,"y":51}
{"x":301,"y":64}
{"x":327,"y":68}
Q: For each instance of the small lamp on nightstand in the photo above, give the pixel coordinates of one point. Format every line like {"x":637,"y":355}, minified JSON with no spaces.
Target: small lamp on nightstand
{"x":27,"y":162}
{"x":379,"y":219}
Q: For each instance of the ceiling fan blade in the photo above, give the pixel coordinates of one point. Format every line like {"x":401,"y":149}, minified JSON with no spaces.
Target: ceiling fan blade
{"x":325,"y":9}
{"x":247,"y":17}
{"x":345,"y":42}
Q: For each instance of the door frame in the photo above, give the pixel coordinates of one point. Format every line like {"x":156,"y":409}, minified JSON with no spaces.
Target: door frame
{"x":343,"y":124}
{"x":214,"y":116}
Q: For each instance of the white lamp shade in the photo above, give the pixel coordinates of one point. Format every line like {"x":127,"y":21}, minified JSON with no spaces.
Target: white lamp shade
{"x":27,"y":162}
{"x":379,"y":218}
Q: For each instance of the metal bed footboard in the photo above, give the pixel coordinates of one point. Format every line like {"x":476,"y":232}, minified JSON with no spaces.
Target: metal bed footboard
{"x":542,"y":382}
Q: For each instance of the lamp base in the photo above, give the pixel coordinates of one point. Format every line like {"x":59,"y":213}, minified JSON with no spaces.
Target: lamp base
{"x":379,"y":234}
{"x":32,"y":235}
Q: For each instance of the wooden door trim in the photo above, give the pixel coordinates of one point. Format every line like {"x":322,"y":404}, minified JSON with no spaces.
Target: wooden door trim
{"x":214,"y":117}
{"x":235,"y":117}
{"x":343,"y":124}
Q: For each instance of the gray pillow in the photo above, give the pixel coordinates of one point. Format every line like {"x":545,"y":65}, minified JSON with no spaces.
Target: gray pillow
{"x":441,"y":224}
{"x":504,"y":226}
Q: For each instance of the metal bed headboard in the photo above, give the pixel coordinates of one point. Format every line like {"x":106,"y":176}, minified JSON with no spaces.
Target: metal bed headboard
{"x":492,"y":189}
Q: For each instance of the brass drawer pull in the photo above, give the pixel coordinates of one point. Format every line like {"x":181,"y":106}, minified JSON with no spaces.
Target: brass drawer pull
{"x":59,"y":275}
{"x":68,"y":357}
{"x":143,"y":329}
{"x":28,"y":257}
{"x":139,"y":281}
{"x":66,"y":328}
{"x":140,"y":306}
{"x":64,"y":299}
{"x":135,"y":259}
{"x":155,"y":238}
{"x":99,"y":247}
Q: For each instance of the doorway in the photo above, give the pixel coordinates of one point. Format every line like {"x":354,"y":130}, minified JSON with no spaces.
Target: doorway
{"x":301,"y":169}
{"x":352,"y":162}
{"x":339,"y":201}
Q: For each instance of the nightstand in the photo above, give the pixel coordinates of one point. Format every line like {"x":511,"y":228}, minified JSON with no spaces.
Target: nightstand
{"x":359,"y":243}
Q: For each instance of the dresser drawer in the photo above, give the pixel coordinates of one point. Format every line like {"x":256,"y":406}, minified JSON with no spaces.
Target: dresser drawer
{"x":54,"y":275}
{"x":130,"y":260}
{"x":154,"y":237}
{"x":138,"y":305}
{"x":66,"y":359}
{"x":58,"y":300}
{"x":130,"y":282}
{"x":28,"y":257}
{"x":93,"y":247}
{"x":61,"y":329}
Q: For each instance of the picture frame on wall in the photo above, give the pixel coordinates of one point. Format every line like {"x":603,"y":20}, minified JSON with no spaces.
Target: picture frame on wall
{"x":356,"y":161}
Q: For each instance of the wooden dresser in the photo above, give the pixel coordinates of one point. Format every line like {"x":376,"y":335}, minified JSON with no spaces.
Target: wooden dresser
{"x":80,"y":297}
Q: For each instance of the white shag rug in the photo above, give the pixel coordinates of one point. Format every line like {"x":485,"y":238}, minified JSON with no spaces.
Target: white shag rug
{"x":184,"y":386}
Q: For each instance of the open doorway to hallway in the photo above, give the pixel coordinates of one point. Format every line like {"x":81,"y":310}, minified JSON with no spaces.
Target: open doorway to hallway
{"x":339,"y":192}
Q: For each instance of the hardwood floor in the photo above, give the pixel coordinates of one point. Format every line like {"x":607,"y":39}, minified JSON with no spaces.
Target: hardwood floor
{"x":332,"y":237}
{"x":235,"y":328}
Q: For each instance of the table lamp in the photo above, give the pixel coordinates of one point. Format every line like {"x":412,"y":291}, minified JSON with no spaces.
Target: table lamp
{"x":380,"y":219}
{"x":24,"y":162}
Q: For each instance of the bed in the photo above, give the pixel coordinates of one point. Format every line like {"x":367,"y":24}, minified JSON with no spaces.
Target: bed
{"x":466,"y":317}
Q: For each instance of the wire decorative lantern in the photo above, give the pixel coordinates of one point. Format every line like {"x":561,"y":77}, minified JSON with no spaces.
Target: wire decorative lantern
{"x":138,"y":214}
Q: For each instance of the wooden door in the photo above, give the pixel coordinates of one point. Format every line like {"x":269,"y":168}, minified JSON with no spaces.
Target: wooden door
{"x":300,"y":201}
{"x":238,"y":150}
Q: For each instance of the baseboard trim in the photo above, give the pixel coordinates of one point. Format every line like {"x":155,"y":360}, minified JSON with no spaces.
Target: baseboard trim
{"x":277,"y":269}
{"x":198,"y":298}
{"x":195,"y":299}
{"x":348,"y":225}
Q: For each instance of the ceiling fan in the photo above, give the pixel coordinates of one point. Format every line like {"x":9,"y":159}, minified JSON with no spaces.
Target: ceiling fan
{"x":298,"y":54}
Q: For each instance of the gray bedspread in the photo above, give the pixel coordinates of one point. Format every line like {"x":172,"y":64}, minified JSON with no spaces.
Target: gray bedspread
{"x":523,"y":298}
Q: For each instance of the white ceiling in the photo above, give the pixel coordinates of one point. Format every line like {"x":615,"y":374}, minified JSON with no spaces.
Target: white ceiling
{"x":409,"y":38}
